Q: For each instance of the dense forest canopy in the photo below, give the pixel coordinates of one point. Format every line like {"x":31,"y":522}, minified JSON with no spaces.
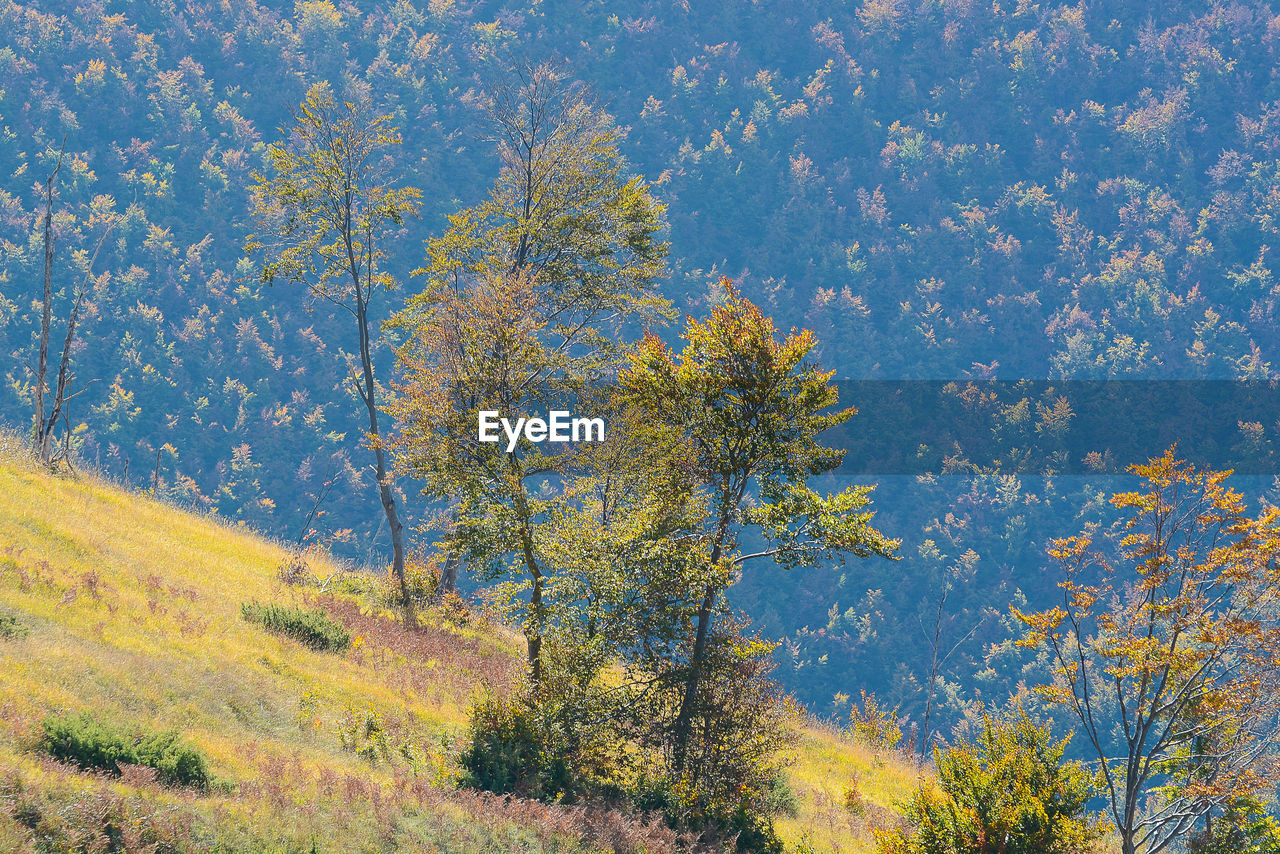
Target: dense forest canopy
{"x":940,"y":190}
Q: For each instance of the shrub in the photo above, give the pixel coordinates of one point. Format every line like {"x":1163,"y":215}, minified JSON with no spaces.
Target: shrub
{"x":875,"y":725}
{"x":294,"y":569}
{"x":1244,"y":828}
{"x":851,"y":798}
{"x":453,"y":609}
{"x":365,"y":734}
{"x":742,"y":728}
{"x":512,"y":750}
{"x":99,"y":746}
{"x":1009,"y":792}
{"x":781,"y":800}
{"x":311,"y":628}
{"x":11,"y":627}
{"x":420,"y":577}
{"x":754,"y":832}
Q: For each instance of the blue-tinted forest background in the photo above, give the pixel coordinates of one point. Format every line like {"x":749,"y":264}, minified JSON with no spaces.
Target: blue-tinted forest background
{"x":953,"y":190}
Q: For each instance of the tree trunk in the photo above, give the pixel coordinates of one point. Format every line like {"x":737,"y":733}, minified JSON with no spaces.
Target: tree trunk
{"x":684,"y":720}
{"x":40,"y":438}
{"x":385,"y":491}
{"x":448,"y":582}
{"x":933,"y":678}
{"x":533,"y":631}
{"x":393,"y":521}
{"x":448,"y":576}
{"x":61,"y":400}
{"x":537,"y":611}
{"x":533,"y":635}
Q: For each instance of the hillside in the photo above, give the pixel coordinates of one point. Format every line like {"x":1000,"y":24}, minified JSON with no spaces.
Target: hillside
{"x":132,"y":612}
{"x":937,"y":190}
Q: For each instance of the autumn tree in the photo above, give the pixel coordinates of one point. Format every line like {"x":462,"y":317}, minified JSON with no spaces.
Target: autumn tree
{"x":1167,"y":650}
{"x":526,"y":295}
{"x":326,"y":212}
{"x":474,"y":350}
{"x":625,"y":547}
{"x":750,"y":407}
{"x":562,"y":211}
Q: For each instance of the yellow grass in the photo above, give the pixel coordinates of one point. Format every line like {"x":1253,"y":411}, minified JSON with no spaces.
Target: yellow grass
{"x":827,"y":764}
{"x":133,"y":608}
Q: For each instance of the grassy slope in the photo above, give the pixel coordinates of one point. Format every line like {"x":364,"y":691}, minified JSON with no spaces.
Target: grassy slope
{"x":133,"y":608}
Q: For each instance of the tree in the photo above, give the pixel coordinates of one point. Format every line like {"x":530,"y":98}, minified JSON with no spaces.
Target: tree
{"x":1244,"y":827}
{"x":630,"y":559}
{"x":1008,"y":791}
{"x":47,"y":414}
{"x":1167,"y":650}
{"x":561,"y":211}
{"x":473,"y":350}
{"x":525,"y":298}
{"x":614,"y":544}
{"x":41,"y":435}
{"x":750,"y":408}
{"x":960,"y":571}
{"x":326,"y":213}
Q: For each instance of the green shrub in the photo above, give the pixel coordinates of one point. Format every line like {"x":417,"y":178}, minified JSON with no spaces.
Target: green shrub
{"x":11,"y":627}
{"x":1243,"y":828}
{"x":874,"y":724}
{"x":99,"y":746}
{"x":311,"y":628}
{"x":512,"y":751}
{"x":780,"y":799}
{"x":420,"y":577}
{"x":753,"y":832}
{"x":1009,"y":784}
{"x":365,"y":734}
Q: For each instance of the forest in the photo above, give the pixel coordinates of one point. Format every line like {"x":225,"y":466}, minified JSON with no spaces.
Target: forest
{"x":1001,"y":272}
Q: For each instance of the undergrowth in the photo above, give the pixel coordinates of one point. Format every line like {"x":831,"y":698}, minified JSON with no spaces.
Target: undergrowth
{"x":312,"y":628}
{"x":96,"y":745}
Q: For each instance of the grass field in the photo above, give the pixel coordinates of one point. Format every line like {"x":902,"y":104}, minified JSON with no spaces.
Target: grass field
{"x":129,"y":609}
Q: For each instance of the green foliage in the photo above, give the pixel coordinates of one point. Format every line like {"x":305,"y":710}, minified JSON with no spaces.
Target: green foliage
{"x":513,"y":750}
{"x":96,"y":745}
{"x":365,"y":734}
{"x":327,"y":204}
{"x":1006,"y":792}
{"x":561,"y":212}
{"x":313,"y":628}
{"x":11,"y":627}
{"x":754,"y":832}
{"x":874,"y":724}
{"x":1245,"y":827}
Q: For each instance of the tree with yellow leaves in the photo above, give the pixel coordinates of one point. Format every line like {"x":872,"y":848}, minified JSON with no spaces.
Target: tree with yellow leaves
{"x":1167,"y":650}
{"x":327,"y":211}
